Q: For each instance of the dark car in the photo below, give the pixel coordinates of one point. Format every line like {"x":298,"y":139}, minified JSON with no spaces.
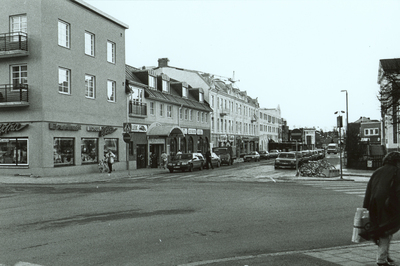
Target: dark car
{"x":215,"y":160}
{"x":307,"y":156}
{"x":186,"y":161}
{"x":288,"y":160}
{"x":226,"y":154}
{"x":264,"y":155}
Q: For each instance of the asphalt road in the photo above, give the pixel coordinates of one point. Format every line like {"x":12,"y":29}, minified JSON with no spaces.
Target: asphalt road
{"x":172,"y":219}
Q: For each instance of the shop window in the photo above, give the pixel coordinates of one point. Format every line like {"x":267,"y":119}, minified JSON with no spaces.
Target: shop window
{"x":14,"y":151}
{"x":111,"y":144}
{"x":89,"y":151}
{"x":63,"y":151}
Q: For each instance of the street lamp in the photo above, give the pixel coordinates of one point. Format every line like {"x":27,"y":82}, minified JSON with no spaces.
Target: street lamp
{"x":347,"y":117}
{"x":340,"y":125}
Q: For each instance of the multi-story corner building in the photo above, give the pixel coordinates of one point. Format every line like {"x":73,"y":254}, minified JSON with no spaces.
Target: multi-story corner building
{"x":62,"y":70}
{"x":165,"y":114}
{"x":270,"y":127}
{"x":234,"y":118}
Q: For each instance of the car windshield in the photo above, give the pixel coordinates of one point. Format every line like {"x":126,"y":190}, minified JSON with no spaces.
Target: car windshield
{"x":183,"y":156}
{"x":286,"y":155}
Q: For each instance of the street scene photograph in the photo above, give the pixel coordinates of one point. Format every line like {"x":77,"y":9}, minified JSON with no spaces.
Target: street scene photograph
{"x":199,"y":133}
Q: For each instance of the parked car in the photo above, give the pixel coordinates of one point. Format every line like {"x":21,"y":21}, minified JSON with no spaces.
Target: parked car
{"x":264,"y":155}
{"x":288,"y":160}
{"x":314,"y":155}
{"x":321,"y":153}
{"x":252,"y":156}
{"x":273,"y":153}
{"x":186,"y":161}
{"x":306,"y":154}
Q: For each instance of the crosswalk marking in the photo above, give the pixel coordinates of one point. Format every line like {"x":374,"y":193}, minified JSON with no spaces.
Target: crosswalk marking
{"x":350,"y":188}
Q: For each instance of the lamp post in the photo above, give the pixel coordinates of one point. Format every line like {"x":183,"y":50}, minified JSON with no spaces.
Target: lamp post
{"x":340,"y":125}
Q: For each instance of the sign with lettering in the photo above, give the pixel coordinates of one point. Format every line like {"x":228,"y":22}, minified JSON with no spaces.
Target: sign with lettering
{"x":11,"y":127}
{"x":139,"y":128}
{"x":66,"y":127}
{"x":192,"y":131}
{"x":185,"y":131}
{"x":107,"y":130}
{"x":199,"y":132}
{"x":156,"y":141}
{"x":93,"y":129}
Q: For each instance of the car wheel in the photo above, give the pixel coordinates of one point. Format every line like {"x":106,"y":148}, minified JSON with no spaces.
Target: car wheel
{"x":171,"y":170}
{"x":191,"y":168}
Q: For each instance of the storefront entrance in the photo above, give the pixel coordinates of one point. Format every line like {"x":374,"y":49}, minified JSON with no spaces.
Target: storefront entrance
{"x":155,"y":154}
{"x":141,"y":161}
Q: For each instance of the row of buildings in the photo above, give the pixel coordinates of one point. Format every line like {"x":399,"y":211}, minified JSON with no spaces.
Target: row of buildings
{"x":67,"y":96}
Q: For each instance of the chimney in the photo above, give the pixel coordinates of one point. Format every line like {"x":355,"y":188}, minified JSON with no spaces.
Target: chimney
{"x":163,"y":62}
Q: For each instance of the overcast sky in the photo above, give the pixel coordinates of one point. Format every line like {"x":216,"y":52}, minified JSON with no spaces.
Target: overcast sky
{"x":295,"y":54}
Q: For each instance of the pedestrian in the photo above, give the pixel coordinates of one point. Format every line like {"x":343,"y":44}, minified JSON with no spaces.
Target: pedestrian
{"x":382,"y":199}
{"x":164,"y":159}
{"x":208,"y":160}
{"x":110,"y":157}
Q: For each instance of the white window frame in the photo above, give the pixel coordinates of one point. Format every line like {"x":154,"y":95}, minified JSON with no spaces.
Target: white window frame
{"x":184,"y":91}
{"x":89,"y":43}
{"x":186,"y":114}
{"x":152,"y":82}
{"x":169,"y":111}
{"x":20,"y":76}
{"x":161,"y":109}
{"x":111,"y":48}
{"x":64,"y":75}
{"x":18,"y":23}
{"x":198,"y":116}
{"x":201,"y":97}
{"x":64,"y":34}
{"x":111,"y":91}
{"x":152,"y":108}
{"x":90,"y":86}
{"x":165,"y":87}
{"x":191,"y":115}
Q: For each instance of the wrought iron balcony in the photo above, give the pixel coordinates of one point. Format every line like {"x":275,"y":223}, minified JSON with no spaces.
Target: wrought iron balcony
{"x":137,"y":109}
{"x":13,"y":44}
{"x":14,"y":95}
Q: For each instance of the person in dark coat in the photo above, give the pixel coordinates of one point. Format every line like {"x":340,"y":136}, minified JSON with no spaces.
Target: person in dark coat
{"x":382,"y":199}
{"x":208,"y":160}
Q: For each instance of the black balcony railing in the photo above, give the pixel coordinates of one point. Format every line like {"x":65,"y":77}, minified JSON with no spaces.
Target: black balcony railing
{"x":137,"y":108}
{"x":13,"y":41}
{"x":13,"y":93}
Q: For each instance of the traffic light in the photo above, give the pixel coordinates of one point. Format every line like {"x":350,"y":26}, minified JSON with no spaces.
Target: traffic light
{"x":340,"y":121}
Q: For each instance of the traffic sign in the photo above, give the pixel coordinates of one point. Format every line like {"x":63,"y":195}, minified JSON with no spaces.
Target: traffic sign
{"x":127,"y":127}
{"x":127,"y":137}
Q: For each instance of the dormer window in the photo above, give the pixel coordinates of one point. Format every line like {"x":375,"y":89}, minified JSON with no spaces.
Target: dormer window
{"x":184,"y":90}
{"x":152,"y":82}
{"x":165,"y":83}
{"x":201,"y":97}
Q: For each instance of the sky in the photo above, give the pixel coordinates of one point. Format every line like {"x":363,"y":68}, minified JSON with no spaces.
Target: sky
{"x":297,"y":54}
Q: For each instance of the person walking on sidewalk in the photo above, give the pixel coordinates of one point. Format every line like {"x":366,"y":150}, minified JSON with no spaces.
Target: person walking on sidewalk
{"x":382,"y":199}
{"x":208,"y":160}
{"x":110,"y":157}
{"x":164,"y":159}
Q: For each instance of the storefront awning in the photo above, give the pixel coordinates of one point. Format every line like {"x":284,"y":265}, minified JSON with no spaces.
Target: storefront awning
{"x":165,"y":131}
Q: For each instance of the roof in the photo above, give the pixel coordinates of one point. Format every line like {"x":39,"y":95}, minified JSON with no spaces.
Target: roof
{"x":129,"y":74}
{"x":101,"y":13}
{"x":165,"y":130}
{"x":165,"y":97}
{"x":390,"y":65}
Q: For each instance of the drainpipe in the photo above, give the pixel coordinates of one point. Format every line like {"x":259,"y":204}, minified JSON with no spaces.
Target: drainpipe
{"x":179,"y":125}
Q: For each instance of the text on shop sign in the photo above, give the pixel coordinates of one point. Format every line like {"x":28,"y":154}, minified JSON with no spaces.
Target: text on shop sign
{"x":9,"y":127}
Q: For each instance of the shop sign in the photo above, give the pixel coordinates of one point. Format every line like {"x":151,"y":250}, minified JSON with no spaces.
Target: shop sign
{"x":93,"y":129}
{"x":66,"y":127}
{"x":192,"y":131}
{"x":156,"y":141}
{"x":138,"y":128}
{"x":9,"y":127}
{"x":223,"y":138}
{"x":185,"y":131}
{"x":107,"y":130}
{"x":199,"y":132}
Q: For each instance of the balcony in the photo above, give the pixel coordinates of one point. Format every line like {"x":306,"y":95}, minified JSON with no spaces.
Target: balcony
{"x":14,"y":95}
{"x":137,"y":109}
{"x":13,"y":44}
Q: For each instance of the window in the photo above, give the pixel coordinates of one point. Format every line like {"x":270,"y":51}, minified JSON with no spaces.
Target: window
{"x":89,"y":43}
{"x":202,"y":117}
{"x":191,"y":115}
{"x":152,"y":82}
{"x":165,"y":87}
{"x":14,"y":151}
{"x":89,"y":86}
{"x":201,"y":97}
{"x":111,"y":52}
{"x":198,"y":116}
{"x":212,"y":101}
{"x":186,"y":114}
{"x":184,"y":91}
{"x":19,"y":75}
{"x":161,"y":109}
{"x":111,"y":90}
{"x":152,"y":108}
{"x":111,"y":144}
{"x":180,"y":113}
{"x":169,"y":110}
{"x":18,"y":24}
{"x":89,"y":151}
{"x":64,"y":80}
{"x":63,"y":151}
{"x":63,"y":34}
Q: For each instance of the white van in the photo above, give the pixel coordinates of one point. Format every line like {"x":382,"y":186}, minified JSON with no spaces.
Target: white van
{"x":332,"y":148}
